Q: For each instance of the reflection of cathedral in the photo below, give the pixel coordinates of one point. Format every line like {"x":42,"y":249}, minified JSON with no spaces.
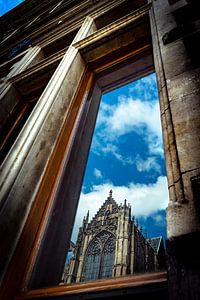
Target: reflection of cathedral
{"x":112,"y":245}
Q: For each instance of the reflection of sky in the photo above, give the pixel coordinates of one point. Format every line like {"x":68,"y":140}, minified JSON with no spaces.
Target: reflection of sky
{"x":127,"y":156}
{"x":6,"y":5}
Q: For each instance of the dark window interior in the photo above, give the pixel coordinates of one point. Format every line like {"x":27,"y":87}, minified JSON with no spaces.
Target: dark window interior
{"x":189,"y":28}
{"x":118,"y":12}
{"x":59,"y":44}
{"x":30,"y":92}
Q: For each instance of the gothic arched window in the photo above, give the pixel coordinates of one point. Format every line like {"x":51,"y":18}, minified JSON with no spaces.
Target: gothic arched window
{"x":99,"y":259}
{"x":107,"y":260}
{"x":92,"y":261}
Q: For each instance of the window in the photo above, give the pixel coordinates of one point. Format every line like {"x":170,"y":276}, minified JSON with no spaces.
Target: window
{"x":108,"y":258}
{"x":99,"y":258}
{"x":92,"y":261}
{"x":126,"y":161}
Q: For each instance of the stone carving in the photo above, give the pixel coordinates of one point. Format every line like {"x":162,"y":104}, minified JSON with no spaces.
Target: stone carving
{"x":109,"y":246}
{"x":104,"y":236}
{"x":94,"y":248}
{"x":102,"y":241}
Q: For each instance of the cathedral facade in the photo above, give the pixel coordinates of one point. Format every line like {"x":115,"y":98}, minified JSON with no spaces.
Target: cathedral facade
{"x":112,"y":245}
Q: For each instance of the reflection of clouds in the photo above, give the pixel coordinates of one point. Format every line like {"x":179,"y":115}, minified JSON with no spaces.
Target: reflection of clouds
{"x":145,"y":199}
{"x":134,"y":115}
{"x":128,"y":115}
{"x":136,"y":112}
{"x":159,"y":220}
{"x":97,"y":173}
{"x":114,"y":150}
{"x":146,"y":165}
{"x":145,"y":88}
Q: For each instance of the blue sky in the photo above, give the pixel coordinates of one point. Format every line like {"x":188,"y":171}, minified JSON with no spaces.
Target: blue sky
{"x":126,"y":156}
{"x":6,"y":5}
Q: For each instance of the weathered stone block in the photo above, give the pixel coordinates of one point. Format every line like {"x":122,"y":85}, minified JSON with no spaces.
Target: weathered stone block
{"x":187,"y":83}
{"x":186,"y":122}
{"x":181,"y":219}
{"x":175,"y":52}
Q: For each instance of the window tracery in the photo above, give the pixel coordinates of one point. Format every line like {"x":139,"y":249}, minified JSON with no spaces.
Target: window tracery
{"x":99,"y":259}
{"x":108,"y":258}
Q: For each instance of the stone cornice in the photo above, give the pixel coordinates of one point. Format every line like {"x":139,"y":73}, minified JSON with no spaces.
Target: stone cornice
{"x":41,"y":66}
{"x":51,"y":31}
{"x":105,"y":32}
{"x":73,"y":19}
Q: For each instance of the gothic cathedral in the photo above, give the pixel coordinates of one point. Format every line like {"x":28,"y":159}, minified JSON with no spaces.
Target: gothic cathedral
{"x":112,"y":245}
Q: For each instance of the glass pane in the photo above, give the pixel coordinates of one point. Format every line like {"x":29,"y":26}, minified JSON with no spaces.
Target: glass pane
{"x":108,"y":255}
{"x":92,"y":261}
{"x":120,"y":224}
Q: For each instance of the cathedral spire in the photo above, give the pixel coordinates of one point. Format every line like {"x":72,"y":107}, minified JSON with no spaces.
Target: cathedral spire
{"x":110,"y":194}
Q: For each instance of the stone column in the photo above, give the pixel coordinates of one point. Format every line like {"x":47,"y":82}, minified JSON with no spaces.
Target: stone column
{"x":81,"y":257}
{"x":121,"y":252}
{"x":23,"y":170}
{"x":118,"y":248}
{"x":69,"y":277}
{"x":132,"y":247}
{"x":126,"y":238}
{"x":178,"y":84}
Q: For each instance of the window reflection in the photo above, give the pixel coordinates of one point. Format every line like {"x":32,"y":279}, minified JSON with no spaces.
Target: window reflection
{"x":126,"y":157}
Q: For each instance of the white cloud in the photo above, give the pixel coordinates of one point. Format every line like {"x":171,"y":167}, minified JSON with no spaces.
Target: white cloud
{"x":129,"y":115}
{"x":159,"y":220}
{"x":145,"y":199}
{"x":147,"y":165}
{"x":105,"y":111}
{"x":134,"y":115}
{"x":114,"y":150}
{"x":155,"y":144}
{"x":145,"y":88}
{"x":97,"y":173}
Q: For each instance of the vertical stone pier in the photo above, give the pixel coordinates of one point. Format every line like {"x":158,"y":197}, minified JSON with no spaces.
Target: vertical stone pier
{"x":23,"y":169}
{"x":177,"y":68}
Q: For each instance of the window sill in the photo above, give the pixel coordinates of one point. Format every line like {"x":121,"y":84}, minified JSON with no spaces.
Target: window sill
{"x":143,"y":281}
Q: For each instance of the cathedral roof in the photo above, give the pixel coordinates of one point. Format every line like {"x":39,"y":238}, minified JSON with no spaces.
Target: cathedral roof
{"x":103,"y":208}
{"x":155,"y":243}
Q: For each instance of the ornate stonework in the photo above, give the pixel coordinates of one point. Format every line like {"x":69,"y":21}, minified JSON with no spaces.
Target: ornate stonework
{"x":111,"y":245}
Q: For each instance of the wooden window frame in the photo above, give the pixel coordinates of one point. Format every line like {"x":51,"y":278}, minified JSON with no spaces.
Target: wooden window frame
{"x":143,"y":283}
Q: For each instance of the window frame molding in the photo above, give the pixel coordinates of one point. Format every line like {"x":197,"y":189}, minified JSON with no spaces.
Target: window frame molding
{"x":114,"y":285}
